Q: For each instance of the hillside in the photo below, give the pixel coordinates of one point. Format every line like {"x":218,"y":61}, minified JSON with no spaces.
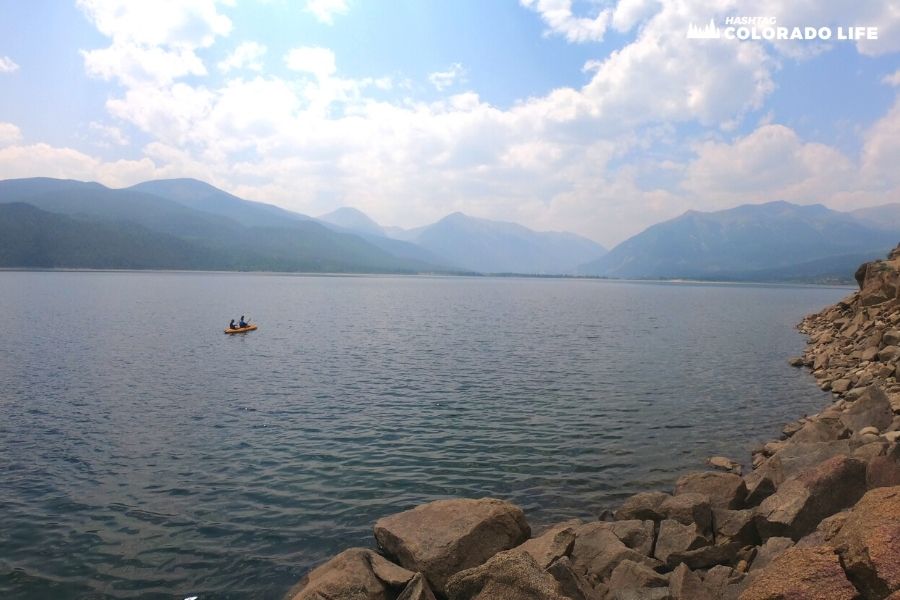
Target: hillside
{"x":751,"y":242}
{"x":499,"y":247}
{"x":220,"y":242}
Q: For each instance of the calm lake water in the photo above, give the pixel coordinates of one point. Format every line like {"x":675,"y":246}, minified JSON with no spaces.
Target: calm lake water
{"x":143,"y":453}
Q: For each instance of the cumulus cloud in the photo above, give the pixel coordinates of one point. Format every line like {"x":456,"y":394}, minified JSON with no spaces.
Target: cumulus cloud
{"x":247,"y":55}
{"x":770,"y":163}
{"x":108,"y":134}
{"x":560,"y":19}
{"x":602,"y":159}
{"x":7,"y":65}
{"x":325,"y":10}
{"x":441,"y":80}
{"x":9,"y":134}
{"x":152,"y":42}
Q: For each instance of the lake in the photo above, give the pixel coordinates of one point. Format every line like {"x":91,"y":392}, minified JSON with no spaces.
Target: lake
{"x":143,"y":453}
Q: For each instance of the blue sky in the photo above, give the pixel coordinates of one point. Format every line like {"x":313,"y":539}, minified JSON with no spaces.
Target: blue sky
{"x":597,"y":117}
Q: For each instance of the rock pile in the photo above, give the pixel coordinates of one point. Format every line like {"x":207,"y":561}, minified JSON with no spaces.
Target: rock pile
{"x":818,"y":517}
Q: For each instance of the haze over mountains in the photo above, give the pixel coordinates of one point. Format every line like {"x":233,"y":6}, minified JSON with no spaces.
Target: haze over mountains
{"x":772,"y":241}
{"x":189,"y":224}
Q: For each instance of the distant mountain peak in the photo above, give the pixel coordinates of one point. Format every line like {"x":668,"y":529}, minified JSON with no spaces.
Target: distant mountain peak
{"x":353,"y":219}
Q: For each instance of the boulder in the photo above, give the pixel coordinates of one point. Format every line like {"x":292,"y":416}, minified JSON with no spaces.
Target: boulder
{"x":629,"y":574}
{"x":801,"y":574}
{"x":872,"y":409}
{"x":792,"y":459}
{"x":717,"y":579}
{"x":553,"y":544}
{"x":677,"y":537}
{"x":598,"y":551}
{"x":706,"y":556}
{"x":510,"y":575}
{"x":725,"y":464}
{"x":800,"y":503}
{"x":354,"y":574}
{"x":444,"y":537}
{"x":735,"y":526}
{"x":684,"y":584}
{"x":891,"y":337}
{"x":869,"y":542}
{"x":839,"y":386}
{"x":417,"y":589}
{"x":888,"y":353}
{"x":724,"y":490}
{"x":774,"y":547}
{"x":689,"y":508}
{"x":643,"y":506}
{"x":825,"y":428}
{"x":637,"y":535}
{"x":572,"y":584}
{"x":884,"y":470}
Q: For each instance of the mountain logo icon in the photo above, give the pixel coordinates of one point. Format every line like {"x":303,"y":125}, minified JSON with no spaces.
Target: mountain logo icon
{"x":710,"y":32}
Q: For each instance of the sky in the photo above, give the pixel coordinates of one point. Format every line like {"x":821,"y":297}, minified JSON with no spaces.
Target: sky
{"x":599,"y":117}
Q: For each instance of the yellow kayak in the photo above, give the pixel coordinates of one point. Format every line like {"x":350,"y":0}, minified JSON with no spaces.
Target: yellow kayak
{"x":241,"y":329}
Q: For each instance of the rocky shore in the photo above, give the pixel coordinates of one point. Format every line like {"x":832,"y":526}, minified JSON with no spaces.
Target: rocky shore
{"x":817,"y":517}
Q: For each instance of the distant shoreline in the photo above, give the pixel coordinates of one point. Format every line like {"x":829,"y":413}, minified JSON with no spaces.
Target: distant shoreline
{"x":678,"y":280}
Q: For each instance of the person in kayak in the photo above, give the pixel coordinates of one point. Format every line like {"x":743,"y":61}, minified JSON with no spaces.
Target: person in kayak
{"x":243,"y":323}
{"x":232,"y":325}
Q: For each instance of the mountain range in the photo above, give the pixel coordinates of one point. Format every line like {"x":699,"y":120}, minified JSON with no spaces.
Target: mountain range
{"x":189,"y":224}
{"x":771,"y":241}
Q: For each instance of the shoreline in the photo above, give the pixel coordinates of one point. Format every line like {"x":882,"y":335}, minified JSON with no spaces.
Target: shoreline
{"x":437,"y":275}
{"x":818,"y":516}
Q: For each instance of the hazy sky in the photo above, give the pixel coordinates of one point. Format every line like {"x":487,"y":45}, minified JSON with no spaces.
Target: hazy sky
{"x":598,"y":117}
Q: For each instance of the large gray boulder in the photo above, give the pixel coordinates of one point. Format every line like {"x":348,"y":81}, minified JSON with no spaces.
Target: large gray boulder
{"x":512,"y":575}
{"x":445,"y":537}
{"x":789,"y":461}
{"x":552,"y":545}
{"x":735,"y":526}
{"x":598,"y":551}
{"x":642,"y":507}
{"x":724,"y":490}
{"x":800,"y":503}
{"x":684,"y":584}
{"x":354,"y":574}
{"x":689,"y":508}
{"x":677,"y":537}
{"x":637,"y":535}
{"x":873,"y":409}
{"x":629,"y":574}
{"x":573,"y":584}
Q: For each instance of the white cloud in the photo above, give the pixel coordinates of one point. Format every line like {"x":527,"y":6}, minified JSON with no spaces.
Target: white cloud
{"x":770,"y":163}
{"x":310,"y":59}
{"x":881,"y":150}
{"x":325,"y":10}
{"x":152,"y":42}
{"x":247,"y":55}
{"x":7,"y":65}
{"x":441,"y":80}
{"x":109,"y":133}
{"x":892,"y":79}
{"x":603,"y":159}
{"x":558,"y":16}
{"x":43,"y":160}
{"x":9,"y":134}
